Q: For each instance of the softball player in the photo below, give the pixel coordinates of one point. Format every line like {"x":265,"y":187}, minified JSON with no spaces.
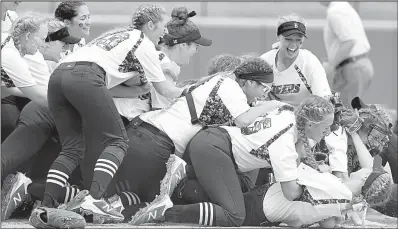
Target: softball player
{"x":77,"y":18}
{"x":90,"y":73}
{"x":153,"y":139}
{"x":216,"y":154}
{"x":177,"y":47}
{"x":35,"y":120}
{"x":298,"y":74}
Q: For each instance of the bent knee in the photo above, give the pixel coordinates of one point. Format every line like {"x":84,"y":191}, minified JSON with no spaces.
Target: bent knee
{"x":238,"y":217}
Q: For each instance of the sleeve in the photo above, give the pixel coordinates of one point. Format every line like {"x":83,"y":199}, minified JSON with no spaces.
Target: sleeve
{"x":337,"y":143}
{"x":283,"y":158}
{"x":318,"y":79}
{"x":268,"y":56}
{"x":149,"y":60}
{"x":17,"y":69}
{"x":37,"y":66}
{"x":233,"y":97}
{"x":340,"y":24}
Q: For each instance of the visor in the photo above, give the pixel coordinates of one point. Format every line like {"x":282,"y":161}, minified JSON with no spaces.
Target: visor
{"x":260,"y":77}
{"x":62,"y":35}
{"x":291,"y":27}
{"x":194,"y":36}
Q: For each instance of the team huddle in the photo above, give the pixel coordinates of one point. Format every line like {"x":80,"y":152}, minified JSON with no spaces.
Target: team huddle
{"x":191,"y":152}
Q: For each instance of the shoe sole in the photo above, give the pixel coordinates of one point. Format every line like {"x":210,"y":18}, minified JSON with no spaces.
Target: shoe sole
{"x":75,"y":205}
{"x":9,"y":183}
{"x":166,"y":185}
{"x":36,"y":222}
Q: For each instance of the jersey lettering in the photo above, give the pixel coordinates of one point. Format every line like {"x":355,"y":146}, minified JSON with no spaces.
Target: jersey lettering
{"x":110,"y":42}
{"x":286,"y":89}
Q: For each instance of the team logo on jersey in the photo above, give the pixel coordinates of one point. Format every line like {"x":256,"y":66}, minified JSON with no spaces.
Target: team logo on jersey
{"x":286,"y":89}
{"x":257,"y":126}
{"x":110,"y":42}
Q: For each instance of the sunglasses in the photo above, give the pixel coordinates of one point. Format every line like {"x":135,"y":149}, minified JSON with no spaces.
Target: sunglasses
{"x":266,"y":88}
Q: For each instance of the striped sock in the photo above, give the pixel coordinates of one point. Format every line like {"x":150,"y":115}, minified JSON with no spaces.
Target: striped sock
{"x":129,"y":198}
{"x":69,"y":193}
{"x":201,"y":213}
{"x":122,"y":186}
{"x":56,"y":179}
{"x":104,"y":170}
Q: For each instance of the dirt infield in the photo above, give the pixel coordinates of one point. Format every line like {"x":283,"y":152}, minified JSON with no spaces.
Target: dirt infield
{"x":374,"y":220}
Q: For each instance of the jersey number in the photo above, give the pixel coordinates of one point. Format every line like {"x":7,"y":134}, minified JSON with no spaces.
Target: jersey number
{"x":108,"y":43}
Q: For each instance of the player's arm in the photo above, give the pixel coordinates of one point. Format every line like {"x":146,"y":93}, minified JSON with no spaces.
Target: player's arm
{"x":235,"y":100}
{"x":19,"y":73}
{"x":7,"y":91}
{"x":121,"y":91}
{"x":318,"y":79}
{"x":250,"y":116}
{"x":149,"y":60}
{"x":36,"y":93}
{"x":364,"y":157}
{"x":283,"y":156}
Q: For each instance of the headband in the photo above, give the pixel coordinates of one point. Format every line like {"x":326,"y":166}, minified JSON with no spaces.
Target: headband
{"x":62,"y":35}
{"x":263,"y":77}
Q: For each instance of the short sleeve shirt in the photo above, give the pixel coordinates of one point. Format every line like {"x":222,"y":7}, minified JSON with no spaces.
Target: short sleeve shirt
{"x":217,"y":101}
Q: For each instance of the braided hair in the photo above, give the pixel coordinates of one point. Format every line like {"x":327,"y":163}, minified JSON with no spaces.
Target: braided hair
{"x":313,"y":109}
{"x":25,"y":24}
{"x":143,"y":14}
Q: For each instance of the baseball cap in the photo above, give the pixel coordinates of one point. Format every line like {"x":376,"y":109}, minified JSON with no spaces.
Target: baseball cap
{"x":62,"y":35}
{"x":262,"y":77}
{"x":193,"y":36}
{"x":291,"y":27}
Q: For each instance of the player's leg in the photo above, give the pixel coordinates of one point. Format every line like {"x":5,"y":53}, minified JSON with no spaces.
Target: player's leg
{"x":210,"y":152}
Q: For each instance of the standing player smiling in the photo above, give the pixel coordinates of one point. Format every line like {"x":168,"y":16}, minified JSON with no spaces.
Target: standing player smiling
{"x":298,"y":74}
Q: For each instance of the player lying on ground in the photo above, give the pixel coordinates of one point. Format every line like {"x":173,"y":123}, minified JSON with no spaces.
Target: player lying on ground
{"x":216,"y":153}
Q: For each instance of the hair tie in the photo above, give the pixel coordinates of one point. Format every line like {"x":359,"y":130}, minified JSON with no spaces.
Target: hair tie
{"x":191,"y":14}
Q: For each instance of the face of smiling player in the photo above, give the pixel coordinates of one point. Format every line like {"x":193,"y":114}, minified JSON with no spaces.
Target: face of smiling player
{"x":289,"y":46}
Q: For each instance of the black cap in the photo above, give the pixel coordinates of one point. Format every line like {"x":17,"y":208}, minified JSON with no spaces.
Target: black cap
{"x":291,"y":27}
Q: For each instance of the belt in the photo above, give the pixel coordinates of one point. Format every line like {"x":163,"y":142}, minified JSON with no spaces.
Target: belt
{"x":71,"y":65}
{"x":139,"y":122}
{"x":351,"y":60}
